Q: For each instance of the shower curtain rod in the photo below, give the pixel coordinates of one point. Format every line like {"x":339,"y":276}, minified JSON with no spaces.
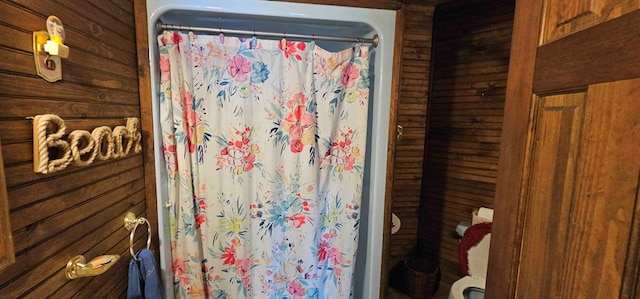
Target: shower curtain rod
{"x":374,"y":41}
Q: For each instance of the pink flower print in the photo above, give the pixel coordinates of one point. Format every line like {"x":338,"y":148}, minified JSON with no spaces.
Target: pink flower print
{"x":296,"y":146}
{"x":242,"y":267}
{"x":295,"y":132}
{"x":337,"y":271}
{"x":200,"y":219}
{"x":335,"y":256}
{"x":297,"y":219}
{"x":349,"y":161}
{"x":290,"y":48}
{"x":322,"y":251}
{"x":219,"y":56}
{"x":349,"y":76}
{"x":190,"y":118}
{"x":169,"y":149}
{"x":229,"y":256}
{"x":249,"y":161}
{"x":185,"y":283}
{"x":293,"y":118}
{"x":239,"y":67}
{"x":165,"y":69}
{"x":176,"y":38}
{"x":298,"y":99}
{"x":296,"y":289}
{"x":296,"y":123}
{"x":202,"y":204}
{"x":306,"y":119}
{"x":246,"y":281}
{"x":179,"y":267}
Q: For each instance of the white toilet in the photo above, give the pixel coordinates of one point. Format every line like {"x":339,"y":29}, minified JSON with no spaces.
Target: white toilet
{"x":473,"y":256}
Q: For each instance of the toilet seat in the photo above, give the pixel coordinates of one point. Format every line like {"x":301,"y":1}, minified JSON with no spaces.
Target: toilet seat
{"x":458,"y":287}
{"x":473,"y":257}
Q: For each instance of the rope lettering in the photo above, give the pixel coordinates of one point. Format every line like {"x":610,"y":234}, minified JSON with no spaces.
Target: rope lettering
{"x":51,"y":152}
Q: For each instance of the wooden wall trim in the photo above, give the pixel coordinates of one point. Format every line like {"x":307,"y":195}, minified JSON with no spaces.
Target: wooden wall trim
{"x":506,"y":230}
{"x":556,"y":63}
{"x":146,"y":118}
{"x":391,"y":150}
{"x":7,"y":256}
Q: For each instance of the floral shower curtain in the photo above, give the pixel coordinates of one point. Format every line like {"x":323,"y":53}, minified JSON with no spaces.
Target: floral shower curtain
{"x":264,"y":143}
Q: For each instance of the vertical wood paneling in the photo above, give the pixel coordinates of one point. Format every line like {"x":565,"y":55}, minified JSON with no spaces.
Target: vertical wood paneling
{"x":471,"y":57}
{"x":412,"y":116}
{"x":77,"y":211}
{"x":579,"y":212}
{"x":551,"y":183}
{"x":7,"y":253}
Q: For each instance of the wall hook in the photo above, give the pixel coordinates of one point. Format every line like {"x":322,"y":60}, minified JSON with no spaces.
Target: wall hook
{"x":48,"y":49}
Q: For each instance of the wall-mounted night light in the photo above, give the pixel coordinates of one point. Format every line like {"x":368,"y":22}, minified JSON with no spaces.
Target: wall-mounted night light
{"x":48,"y":49}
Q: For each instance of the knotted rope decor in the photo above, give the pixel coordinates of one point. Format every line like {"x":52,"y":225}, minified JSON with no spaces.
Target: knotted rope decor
{"x":51,"y":152}
{"x":48,"y":130}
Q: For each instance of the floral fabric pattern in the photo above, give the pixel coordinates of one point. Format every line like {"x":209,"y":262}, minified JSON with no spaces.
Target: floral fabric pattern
{"x":264,"y":144}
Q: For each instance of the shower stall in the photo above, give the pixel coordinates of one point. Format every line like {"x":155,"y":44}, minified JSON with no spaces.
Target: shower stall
{"x":289,"y":20}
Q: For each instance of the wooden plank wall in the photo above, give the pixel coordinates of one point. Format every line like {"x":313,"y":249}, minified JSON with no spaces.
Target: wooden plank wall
{"x":412,"y":116}
{"x":78,"y":211}
{"x":471,"y":57}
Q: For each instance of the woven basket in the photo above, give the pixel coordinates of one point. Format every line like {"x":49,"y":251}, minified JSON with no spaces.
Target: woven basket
{"x":423,"y":276}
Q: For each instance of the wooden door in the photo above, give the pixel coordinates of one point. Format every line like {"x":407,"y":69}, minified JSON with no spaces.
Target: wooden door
{"x":79,"y":210}
{"x":567,"y":212}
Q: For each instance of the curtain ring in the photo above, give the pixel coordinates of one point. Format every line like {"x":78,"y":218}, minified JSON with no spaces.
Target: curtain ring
{"x":139,"y":221}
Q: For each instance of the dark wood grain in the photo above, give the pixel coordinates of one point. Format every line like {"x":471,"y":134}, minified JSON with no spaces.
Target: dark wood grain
{"x":412,"y":104}
{"x":609,"y":52}
{"x":504,"y":252}
{"x":7,"y":257}
{"x":78,"y":210}
{"x":566,"y":199}
{"x":146,"y":121}
{"x":471,"y":45}
{"x":631,"y":278}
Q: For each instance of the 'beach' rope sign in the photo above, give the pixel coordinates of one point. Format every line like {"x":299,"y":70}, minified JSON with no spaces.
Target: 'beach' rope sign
{"x":51,"y":152}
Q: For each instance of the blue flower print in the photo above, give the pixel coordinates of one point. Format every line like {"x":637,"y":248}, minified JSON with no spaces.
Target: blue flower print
{"x":260,"y":72}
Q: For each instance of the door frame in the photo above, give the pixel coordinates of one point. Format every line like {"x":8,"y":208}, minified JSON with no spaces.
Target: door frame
{"x":507,"y":227}
{"x":146,"y":120}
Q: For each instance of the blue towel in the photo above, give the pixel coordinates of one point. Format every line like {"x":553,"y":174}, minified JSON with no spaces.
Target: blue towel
{"x":144,"y":282}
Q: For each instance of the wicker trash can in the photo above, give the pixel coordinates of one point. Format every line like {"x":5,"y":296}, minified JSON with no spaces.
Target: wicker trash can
{"x":423,"y":277}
